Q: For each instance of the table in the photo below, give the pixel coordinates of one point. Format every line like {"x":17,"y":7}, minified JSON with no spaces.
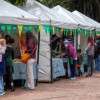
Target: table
{"x":58,"y":67}
{"x":20,"y":71}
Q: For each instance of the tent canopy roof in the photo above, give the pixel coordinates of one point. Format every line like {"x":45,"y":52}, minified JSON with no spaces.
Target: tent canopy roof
{"x":69,"y":15}
{"x":48,"y":16}
{"x":10,"y":14}
{"x":89,"y":20}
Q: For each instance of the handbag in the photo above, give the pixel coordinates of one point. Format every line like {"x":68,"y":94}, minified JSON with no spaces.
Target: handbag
{"x":26,"y":56}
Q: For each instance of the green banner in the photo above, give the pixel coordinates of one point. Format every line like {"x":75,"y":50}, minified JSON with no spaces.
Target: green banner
{"x":14,"y":29}
{"x":87,"y":33}
{"x":3,"y":27}
{"x":30,"y":27}
{"x":45,"y":28}
{"x":64,"y":31}
{"x":9,"y":29}
{"x":35,"y":28}
{"x":25,"y":28}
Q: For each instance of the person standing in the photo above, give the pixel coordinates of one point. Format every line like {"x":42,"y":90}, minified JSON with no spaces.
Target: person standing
{"x":79,"y":62}
{"x":31,"y":43}
{"x":97,"y":53}
{"x":90,"y":56}
{"x":9,"y":65}
{"x":71,"y":54}
{"x":2,"y":61}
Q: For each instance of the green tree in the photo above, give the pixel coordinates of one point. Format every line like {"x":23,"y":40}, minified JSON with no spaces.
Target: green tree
{"x":17,"y":2}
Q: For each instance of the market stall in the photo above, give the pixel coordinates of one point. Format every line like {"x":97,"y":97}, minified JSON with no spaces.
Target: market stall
{"x":49,"y":17}
{"x":15,"y":24}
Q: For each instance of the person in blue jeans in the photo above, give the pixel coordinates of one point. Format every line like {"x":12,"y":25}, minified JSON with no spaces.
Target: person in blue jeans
{"x":2,"y":61}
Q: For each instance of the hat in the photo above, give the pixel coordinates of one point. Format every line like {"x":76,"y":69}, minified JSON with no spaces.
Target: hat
{"x":66,"y":41}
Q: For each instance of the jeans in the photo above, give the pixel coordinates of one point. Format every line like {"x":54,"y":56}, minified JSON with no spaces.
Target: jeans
{"x":1,"y":85}
{"x":98,"y":63}
{"x":73,"y":68}
{"x":90,"y":64}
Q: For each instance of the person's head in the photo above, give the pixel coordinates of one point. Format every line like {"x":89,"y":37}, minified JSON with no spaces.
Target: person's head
{"x":1,"y":34}
{"x":66,"y":43}
{"x":90,"y":40}
{"x":98,"y":36}
{"x":7,"y":37}
{"x":79,"y":51}
{"x":58,"y":40}
{"x":29,"y":35}
{"x":11,"y":41}
{"x":54,"y":37}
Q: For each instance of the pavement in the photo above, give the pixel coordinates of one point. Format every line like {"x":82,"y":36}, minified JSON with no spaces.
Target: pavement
{"x":64,"y":89}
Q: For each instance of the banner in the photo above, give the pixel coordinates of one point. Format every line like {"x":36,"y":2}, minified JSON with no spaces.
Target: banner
{"x":3,"y":27}
{"x":40,"y":28}
{"x":25,"y":28}
{"x":20,"y":27}
{"x":9,"y":29}
{"x":35,"y":28}
{"x":30,"y":27}
{"x":62,"y":30}
{"x":14,"y":29}
{"x":70,"y":32}
{"x":53,"y":30}
{"x":45,"y":28}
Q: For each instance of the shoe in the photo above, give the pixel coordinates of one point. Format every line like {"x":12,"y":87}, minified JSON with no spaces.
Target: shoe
{"x":2,"y":93}
{"x":72,"y":78}
{"x":87,"y":76}
{"x":12,"y":89}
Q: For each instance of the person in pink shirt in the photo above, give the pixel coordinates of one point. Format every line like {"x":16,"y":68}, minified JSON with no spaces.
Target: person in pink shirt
{"x":71,"y":53}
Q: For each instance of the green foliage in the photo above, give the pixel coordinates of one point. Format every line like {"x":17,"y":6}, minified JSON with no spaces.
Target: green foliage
{"x":17,"y":2}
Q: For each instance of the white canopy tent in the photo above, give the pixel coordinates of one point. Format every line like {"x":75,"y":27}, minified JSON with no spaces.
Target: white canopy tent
{"x":86,"y":18}
{"x":82,"y":24}
{"x":10,"y":14}
{"x":89,"y":20}
{"x":48,"y":17}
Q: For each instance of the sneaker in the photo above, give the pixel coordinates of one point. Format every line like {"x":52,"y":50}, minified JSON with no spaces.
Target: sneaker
{"x":87,"y":76}
{"x":2,"y":93}
{"x":72,"y":78}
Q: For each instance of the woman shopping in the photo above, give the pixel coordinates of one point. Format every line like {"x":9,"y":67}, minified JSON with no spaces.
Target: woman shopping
{"x":31,"y":43}
{"x":90,"y":56}
{"x":8,"y":78}
{"x":2,"y":61}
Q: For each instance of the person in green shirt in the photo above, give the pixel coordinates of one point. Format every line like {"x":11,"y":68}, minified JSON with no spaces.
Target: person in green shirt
{"x":55,"y":47}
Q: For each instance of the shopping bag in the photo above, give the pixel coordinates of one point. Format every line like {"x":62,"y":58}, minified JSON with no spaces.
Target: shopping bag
{"x":25,"y":58}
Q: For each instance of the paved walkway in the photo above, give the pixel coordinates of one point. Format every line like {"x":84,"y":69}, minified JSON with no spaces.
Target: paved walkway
{"x":64,"y":89}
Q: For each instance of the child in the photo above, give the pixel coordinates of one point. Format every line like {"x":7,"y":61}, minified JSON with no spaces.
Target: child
{"x":79,"y":62}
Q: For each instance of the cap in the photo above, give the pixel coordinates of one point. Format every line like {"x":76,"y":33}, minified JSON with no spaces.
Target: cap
{"x":66,"y":41}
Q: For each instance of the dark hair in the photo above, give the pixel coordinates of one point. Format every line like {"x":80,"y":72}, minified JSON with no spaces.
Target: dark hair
{"x":58,"y":39}
{"x":29,"y":35}
{"x":7,"y":37}
{"x":54,"y":36}
{"x":2,"y":34}
{"x":12,"y":40}
{"x":79,"y":50}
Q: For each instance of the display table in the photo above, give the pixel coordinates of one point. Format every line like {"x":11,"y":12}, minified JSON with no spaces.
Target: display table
{"x":58,"y":67}
{"x":20,"y":71}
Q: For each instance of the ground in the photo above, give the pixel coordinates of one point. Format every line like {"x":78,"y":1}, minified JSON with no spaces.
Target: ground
{"x":64,"y":89}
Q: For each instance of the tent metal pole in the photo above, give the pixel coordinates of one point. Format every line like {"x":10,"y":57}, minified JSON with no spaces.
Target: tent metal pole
{"x":51,"y":56}
{"x":38,"y":57}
